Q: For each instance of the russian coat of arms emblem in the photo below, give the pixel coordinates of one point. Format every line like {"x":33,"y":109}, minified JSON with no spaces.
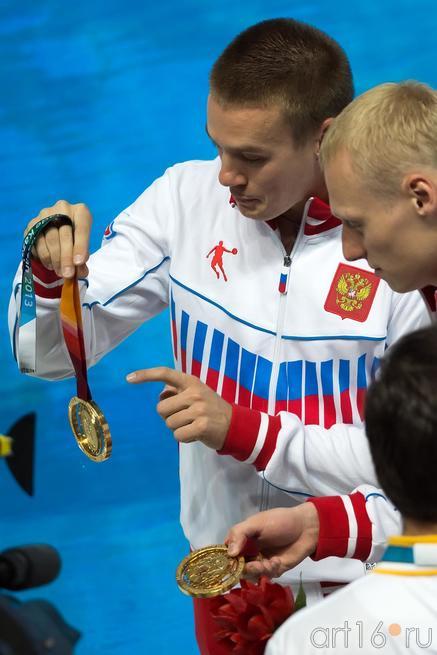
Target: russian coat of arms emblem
{"x":352,"y":292}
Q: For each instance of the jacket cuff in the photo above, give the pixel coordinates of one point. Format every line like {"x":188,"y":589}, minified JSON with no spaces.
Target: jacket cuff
{"x":47,"y":283}
{"x":251,"y":437}
{"x":345,"y":527}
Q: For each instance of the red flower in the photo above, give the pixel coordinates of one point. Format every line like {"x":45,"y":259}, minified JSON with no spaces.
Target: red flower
{"x":248,"y":616}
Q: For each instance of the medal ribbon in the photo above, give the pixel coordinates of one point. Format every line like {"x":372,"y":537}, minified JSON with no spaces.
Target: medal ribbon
{"x":70,"y":308}
{"x":71,"y":322}
{"x":27,"y":320}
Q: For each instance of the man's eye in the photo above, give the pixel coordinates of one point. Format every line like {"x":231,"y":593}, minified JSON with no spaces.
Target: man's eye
{"x":254,"y":158}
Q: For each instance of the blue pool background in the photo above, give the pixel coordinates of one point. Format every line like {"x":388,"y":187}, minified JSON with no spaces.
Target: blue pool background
{"x":97,"y":99}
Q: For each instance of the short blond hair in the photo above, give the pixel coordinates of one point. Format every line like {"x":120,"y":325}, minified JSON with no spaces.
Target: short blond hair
{"x":387,"y":132}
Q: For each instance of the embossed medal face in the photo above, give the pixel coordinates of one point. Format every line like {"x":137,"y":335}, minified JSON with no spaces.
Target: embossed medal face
{"x":209,"y":571}
{"x":90,"y":429}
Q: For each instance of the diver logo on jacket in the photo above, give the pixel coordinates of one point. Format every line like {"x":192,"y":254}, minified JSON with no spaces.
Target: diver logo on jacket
{"x":352,"y":292}
{"x":217,"y":259}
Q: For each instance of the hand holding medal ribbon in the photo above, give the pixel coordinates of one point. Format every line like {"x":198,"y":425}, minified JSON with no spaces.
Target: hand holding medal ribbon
{"x":86,"y":419}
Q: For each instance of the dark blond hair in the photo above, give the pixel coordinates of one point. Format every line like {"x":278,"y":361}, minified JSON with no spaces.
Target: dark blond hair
{"x":387,"y":132}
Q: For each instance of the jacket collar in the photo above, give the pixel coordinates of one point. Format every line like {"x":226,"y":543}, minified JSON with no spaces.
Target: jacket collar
{"x":414,"y":555}
{"x":318,"y":217}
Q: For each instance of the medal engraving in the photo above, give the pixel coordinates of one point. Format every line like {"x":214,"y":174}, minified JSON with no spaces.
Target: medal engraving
{"x":90,"y":429}
{"x":208,"y":572}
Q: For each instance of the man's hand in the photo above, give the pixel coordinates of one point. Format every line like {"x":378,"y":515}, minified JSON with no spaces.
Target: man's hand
{"x":284,"y":537}
{"x":189,"y":407}
{"x":64,"y":250}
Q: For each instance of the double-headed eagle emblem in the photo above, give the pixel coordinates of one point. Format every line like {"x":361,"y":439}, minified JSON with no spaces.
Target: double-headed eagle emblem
{"x":352,"y":291}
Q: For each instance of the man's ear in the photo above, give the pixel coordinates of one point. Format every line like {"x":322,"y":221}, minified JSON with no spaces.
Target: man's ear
{"x":321,"y":133}
{"x":422,"y":191}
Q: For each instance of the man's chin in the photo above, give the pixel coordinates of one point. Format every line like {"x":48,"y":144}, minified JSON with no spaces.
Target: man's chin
{"x":256,"y":213}
{"x":399,"y":285}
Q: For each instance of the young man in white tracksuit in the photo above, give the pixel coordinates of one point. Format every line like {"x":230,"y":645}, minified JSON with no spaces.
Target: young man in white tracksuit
{"x":275,"y":335}
{"x":392,"y":610}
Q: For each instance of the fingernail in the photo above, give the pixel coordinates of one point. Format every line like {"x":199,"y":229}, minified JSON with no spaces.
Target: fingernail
{"x":67,"y":271}
{"x":232,"y":549}
{"x":78,"y":259}
{"x":131,"y":376}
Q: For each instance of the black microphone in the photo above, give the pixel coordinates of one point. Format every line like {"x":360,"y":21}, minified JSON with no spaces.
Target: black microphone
{"x":25,"y":567}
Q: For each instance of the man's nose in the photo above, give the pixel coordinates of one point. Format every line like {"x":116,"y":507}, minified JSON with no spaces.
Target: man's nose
{"x":230,"y":174}
{"x":353,"y":246}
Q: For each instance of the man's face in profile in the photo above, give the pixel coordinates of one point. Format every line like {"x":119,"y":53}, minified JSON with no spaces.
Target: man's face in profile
{"x":260,"y":163}
{"x":385,"y":230}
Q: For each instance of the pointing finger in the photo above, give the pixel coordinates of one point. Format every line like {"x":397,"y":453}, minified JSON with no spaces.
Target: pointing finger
{"x":176,"y":379}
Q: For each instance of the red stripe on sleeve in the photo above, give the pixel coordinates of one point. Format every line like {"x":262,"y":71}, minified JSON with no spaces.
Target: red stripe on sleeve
{"x":43,"y":273}
{"x":364,"y":539}
{"x":269,"y":446}
{"x":47,"y":292}
{"x":242,"y":434}
{"x":334,"y":527}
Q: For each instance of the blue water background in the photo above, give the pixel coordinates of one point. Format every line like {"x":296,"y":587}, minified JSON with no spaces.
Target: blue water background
{"x":97,"y":99}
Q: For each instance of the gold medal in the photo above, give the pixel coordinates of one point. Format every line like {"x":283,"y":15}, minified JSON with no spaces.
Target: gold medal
{"x":90,"y":429}
{"x":208,"y":572}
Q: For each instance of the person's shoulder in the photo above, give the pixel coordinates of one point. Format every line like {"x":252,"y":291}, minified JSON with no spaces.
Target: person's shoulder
{"x":196,"y":181}
{"x":365,"y":607}
{"x":179,"y":186}
{"x":353,"y":597}
{"x":350,"y":596}
{"x":195,"y":168}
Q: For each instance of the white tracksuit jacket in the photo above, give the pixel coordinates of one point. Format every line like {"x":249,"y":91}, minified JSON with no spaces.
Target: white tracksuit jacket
{"x":293,"y":345}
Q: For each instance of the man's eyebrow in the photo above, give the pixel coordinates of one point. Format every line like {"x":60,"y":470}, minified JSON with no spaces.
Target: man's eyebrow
{"x":242,"y":148}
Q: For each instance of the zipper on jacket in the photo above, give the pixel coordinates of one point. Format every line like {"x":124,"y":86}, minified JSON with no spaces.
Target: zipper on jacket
{"x":285,"y":275}
{"x":284,"y":279}
{"x":284,"y":282}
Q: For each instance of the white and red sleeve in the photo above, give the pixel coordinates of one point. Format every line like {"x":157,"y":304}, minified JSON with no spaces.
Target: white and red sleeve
{"x":252,"y":436}
{"x":356,"y":525}
{"x":300,"y":459}
{"x":47,"y":283}
{"x":127,"y":284}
